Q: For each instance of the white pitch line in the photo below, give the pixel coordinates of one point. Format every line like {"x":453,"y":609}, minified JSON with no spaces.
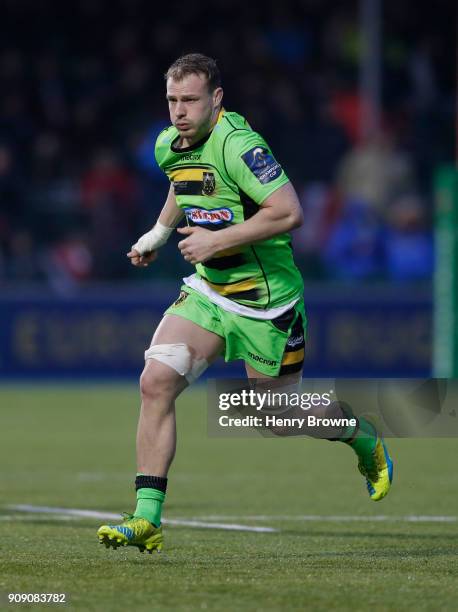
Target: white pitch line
{"x":377,"y":518}
{"x":208,"y":522}
{"x":113,"y":516}
{"x":24,"y":518}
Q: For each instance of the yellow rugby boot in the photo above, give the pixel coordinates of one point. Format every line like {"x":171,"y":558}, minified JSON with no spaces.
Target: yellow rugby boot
{"x":132,"y":532}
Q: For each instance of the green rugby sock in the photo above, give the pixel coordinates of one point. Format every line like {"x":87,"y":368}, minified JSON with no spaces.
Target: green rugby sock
{"x":149,"y":505}
{"x":361,"y":438}
{"x":149,"y":498}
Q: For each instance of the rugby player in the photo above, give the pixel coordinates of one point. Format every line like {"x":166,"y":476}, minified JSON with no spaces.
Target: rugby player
{"x":245,"y":299}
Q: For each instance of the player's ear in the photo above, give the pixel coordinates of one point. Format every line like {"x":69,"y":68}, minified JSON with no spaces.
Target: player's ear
{"x":218,"y":96}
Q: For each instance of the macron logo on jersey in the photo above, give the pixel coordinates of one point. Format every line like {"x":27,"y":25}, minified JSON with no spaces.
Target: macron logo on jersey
{"x":216,"y":216}
{"x":262,"y":164}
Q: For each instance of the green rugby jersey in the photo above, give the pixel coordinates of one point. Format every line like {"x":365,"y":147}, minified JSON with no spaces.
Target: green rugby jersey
{"x":219,"y":181}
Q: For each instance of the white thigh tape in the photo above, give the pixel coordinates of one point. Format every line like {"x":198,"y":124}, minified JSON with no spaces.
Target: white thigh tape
{"x":179,"y":358}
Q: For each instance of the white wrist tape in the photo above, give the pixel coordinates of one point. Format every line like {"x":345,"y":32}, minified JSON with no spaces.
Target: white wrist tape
{"x":153,"y":239}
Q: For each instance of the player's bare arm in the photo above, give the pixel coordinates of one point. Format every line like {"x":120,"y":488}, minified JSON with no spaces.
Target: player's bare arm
{"x":280,"y":212}
{"x":169,"y":217}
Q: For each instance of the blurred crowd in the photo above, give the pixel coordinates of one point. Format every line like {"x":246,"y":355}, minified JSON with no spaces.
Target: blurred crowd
{"x":83,"y":99}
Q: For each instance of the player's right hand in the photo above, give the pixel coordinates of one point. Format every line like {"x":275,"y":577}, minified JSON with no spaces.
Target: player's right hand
{"x":141,"y":261}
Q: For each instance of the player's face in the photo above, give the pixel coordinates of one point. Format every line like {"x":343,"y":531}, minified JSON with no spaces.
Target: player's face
{"x":192,"y":106}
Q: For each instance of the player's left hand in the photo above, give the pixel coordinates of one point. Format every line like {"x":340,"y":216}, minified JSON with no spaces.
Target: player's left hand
{"x":199,"y":245}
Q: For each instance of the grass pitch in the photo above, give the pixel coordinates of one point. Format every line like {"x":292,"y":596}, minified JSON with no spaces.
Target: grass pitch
{"x":74,"y":447}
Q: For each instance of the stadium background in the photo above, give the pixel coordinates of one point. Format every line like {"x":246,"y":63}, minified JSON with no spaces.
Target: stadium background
{"x":82,"y":101}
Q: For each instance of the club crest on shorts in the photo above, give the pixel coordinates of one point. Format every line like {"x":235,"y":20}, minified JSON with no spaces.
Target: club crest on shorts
{"x":208,"y":183}
{"x":181,"y":298}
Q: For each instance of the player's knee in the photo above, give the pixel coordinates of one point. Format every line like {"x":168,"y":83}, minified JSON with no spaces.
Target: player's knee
{"x":159,"y":382}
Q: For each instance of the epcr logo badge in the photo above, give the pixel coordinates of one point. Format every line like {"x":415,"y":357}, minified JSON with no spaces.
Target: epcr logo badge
{"x":262,"y":164}
{"x":200,"y":216}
